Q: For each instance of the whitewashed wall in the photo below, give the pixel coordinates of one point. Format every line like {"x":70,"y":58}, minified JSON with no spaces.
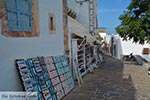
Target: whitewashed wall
{"x":44,"y":45}
{"x":82,"y":12}
{"x":129,"y":47}
{"x":75,"y":27}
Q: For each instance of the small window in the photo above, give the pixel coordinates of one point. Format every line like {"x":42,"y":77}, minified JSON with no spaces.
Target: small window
{"x":19,"y":15}
{"x":52,"y":23}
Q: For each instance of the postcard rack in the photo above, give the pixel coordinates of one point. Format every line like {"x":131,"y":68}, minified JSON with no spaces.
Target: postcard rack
{"x":81,"y":58}
{"x":49,"y":76}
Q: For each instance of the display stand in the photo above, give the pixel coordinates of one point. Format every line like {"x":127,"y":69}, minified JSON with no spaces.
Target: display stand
{"x":82,"y":58}
{"x":49,"y":76}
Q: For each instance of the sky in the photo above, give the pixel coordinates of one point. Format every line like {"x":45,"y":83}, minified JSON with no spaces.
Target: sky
{"x":109,"y":12}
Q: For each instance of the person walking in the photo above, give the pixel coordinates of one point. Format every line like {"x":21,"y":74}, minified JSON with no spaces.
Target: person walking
{"x":100,"y":53}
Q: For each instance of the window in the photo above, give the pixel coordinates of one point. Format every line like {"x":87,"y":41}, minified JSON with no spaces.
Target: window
{"x":52,"y":24}
{"x":19,"y":15}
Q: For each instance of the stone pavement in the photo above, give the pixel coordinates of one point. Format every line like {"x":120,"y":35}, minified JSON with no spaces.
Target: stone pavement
{"x":114,"y":80}
{"x":140,"y":79}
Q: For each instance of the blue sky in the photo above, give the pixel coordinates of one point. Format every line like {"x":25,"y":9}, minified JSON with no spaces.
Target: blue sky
{"x":109,"y":12}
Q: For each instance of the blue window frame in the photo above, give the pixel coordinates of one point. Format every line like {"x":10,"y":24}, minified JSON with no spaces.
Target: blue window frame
{"x":19,"y":15}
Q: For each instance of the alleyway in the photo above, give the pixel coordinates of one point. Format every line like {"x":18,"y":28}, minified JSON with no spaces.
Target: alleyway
{"x":114,"y":81}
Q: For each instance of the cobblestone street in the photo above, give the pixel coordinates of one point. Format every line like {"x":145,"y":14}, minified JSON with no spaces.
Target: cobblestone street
{"x":114,"y":81}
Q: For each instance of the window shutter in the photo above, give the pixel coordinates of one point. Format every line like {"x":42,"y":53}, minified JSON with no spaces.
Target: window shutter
{"x":19,"y":15}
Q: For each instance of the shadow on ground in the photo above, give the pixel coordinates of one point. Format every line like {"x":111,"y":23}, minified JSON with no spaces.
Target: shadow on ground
{"x":106,"y":83}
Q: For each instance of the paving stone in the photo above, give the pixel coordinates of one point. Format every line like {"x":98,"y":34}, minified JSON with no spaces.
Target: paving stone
{"x":114,"y":81}
{"x":148,"y":98}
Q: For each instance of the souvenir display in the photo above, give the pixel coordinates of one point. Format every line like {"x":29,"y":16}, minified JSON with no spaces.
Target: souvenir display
{"x":46,"y":93}
{"x":64,"y":83}
{"x":48,"y":83}
{"x":60,"y":95}
{"x":54,"y":97}
{"x":56,"y":59}
{"x":66,"y":69}
{"x":68,"y":75}
{"x":60,"y":71}
{"x":25,"y":74}
{"x":36,"y":62}
{"x":71,"y":85}
{"x":64,"y":73}
{"x":46,"y":76}
{"x":36,"y":78}
{"x":64,"y":63}
{"x":44,"y":68}
{"x":51,"y":89}
{"x":58,"y":65}
{"x":55,"y":81}
{"x":63,"y":58}
{"x":49,"y":76}
{"x":62,"y":77}
{"x":41,"y":60}
{"x":50,"y":67}
{"x":58,"y":87}
{"x":70,"y":80}
{"x":67,"y":89}
{"x":53,"y":74}
{"x":29,"y":63}
{"x":48,"y":60}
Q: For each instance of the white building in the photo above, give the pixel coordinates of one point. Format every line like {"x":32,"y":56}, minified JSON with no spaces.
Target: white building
{"x":44,"y":37}
{"x":41,"y":31}
{"x":135,"y":48}
{"x":82,"y":21}
{"x":101,"y":32}
{"x":125,"y":47}
{"x":86,"y":12}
